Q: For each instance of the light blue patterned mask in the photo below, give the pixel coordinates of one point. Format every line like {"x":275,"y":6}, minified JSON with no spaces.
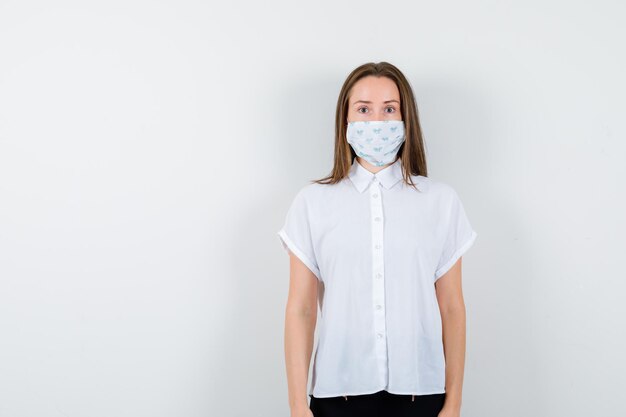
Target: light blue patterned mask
{"x":376,"y":141}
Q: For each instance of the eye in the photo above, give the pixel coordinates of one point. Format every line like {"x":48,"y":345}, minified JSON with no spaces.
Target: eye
{"x":392,"y":108}
{"x":361,"y":108}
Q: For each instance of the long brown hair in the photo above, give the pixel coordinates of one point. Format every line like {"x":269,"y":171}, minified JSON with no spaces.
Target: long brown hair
{"x":411,"y":151}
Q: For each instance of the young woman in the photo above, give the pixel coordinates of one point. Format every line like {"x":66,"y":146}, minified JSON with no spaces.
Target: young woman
{"x":378,"y":245}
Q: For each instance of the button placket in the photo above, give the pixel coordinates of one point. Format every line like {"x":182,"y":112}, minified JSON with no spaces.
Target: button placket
{"x":378,"y":285}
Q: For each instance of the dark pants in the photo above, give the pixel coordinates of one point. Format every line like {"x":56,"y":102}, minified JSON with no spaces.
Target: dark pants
{"x":379,"y":404}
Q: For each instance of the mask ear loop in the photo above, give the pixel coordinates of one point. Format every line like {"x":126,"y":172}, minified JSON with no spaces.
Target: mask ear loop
{"x":413,"y":397}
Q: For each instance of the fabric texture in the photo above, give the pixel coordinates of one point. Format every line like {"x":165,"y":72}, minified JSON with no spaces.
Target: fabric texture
{"x":377,"y":246}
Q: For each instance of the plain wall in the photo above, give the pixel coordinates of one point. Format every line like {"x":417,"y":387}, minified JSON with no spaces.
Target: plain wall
{"x":149,"y":152}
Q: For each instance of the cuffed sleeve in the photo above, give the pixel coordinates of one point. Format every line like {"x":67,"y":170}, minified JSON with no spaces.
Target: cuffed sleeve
{"x":295,"y":235}
{"x":459,"y":236}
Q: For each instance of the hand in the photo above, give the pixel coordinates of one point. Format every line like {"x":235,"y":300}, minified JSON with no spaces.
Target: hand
{"x":303,"y":411}
{"x":450,"y":412}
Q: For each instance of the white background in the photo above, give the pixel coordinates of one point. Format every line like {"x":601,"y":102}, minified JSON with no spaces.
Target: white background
{"x":149,"y":151}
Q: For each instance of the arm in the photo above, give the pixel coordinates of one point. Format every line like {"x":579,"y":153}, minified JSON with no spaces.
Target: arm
{"x":300,"y":320}
{"x":452,"y":307}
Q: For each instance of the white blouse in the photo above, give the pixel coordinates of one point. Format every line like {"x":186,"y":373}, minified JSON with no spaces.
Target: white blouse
{"x":377,"y":246}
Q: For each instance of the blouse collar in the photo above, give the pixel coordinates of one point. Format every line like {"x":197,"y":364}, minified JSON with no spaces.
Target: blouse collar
{"x":387,"y":176}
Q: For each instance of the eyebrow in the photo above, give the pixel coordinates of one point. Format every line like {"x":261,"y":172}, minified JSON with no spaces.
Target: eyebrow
{"x":369,"y":102}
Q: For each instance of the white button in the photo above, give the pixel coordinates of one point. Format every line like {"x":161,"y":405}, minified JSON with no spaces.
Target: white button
{"x":377,"y":219}
{"x":378,"y":307}
{"x":379,"y":275}
{"x":375,"y":179}
{"x":377,"y":246}
{"x":379,"y":335}
{"x":374,"y":195}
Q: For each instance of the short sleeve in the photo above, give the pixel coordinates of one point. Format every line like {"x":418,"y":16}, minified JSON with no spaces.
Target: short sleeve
{"x":459,"y":236}
{"x":295,"y":235}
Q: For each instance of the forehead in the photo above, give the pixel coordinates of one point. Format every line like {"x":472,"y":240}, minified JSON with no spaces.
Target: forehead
{"x":375,"y":89}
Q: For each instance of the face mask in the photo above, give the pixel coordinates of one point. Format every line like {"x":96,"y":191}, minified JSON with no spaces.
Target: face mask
{"x":376,"y":141}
